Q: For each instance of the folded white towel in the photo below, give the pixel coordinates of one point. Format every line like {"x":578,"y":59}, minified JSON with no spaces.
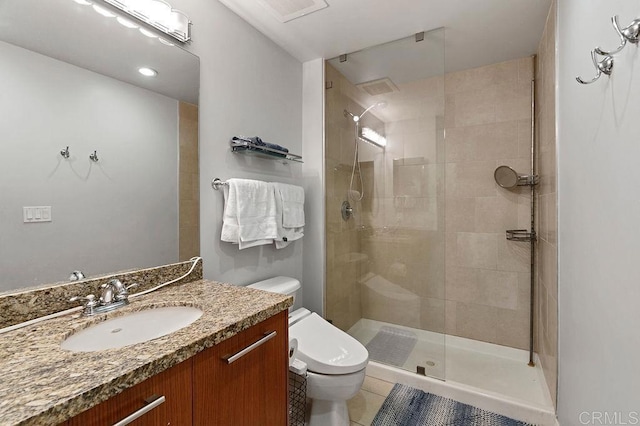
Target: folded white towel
{"x":289,"y":213}
{"x":250,"y":213}
{"x":292,"y":197}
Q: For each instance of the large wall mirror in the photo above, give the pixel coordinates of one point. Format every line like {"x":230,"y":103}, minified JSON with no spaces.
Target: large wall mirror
{"x":70,"y":78}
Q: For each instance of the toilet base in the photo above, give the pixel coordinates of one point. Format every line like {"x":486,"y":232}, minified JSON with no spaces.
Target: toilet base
{"x":328,"y":413}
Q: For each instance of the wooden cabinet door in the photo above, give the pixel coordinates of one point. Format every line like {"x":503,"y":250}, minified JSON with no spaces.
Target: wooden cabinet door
{"x":174,"y":384}
{"x":251,"y":390}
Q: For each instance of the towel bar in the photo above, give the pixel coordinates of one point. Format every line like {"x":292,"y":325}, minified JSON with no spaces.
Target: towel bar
{"x":217,"y":183}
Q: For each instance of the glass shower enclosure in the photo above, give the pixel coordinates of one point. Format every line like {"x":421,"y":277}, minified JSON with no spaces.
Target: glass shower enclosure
{"x":385,"y":221}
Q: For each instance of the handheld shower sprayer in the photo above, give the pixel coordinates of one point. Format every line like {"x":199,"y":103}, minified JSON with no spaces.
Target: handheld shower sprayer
{"x":356,"y":118}
{"x":356,"y":162}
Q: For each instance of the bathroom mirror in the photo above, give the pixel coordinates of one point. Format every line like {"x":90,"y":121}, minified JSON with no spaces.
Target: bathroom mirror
{"x":70,"y":78}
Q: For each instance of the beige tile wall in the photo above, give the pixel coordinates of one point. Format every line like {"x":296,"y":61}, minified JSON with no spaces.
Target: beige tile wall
{"x":488,"y":124}
{"x":547,"y":250}
{"x":189,"y":178}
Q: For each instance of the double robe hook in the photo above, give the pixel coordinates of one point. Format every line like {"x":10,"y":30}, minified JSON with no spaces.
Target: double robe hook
{"x":605,"y":66}
{"x":66,"y":154}
{"x":630,"y":34}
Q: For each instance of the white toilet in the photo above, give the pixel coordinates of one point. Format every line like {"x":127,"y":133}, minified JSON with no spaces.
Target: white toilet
{"x":335,"y":361}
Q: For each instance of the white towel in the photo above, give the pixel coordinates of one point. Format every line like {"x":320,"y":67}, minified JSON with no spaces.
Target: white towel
{"x":289,"y":213}
{"x":250,"y":213}
{"x":292,"y":204}
{"x":230,"y":228}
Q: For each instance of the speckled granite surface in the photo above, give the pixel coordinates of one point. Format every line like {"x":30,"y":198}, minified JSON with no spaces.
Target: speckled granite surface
{"x":41,"y":384}
{"x":23,"y":305}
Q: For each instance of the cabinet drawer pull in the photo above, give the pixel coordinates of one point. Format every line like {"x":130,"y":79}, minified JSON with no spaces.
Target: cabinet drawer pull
{"x":237,"y":356}
{"x":144,"y":410}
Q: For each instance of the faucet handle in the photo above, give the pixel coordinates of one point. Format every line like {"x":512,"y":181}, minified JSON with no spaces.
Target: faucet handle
{"x":90,"y":298}
{"x":134,"y":285}
{"x":122,"y":292}
{"x":115,"y":283}
{"x":91,"y":303}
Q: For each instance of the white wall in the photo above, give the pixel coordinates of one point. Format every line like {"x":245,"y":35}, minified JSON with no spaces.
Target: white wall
{"x":599,"y":209}
{"x":248,"y":86}
{"x":313,"y":152}
{"x":119,"y":213}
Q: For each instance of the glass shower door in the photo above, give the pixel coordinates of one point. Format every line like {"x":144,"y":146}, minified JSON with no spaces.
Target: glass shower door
{"x":385,"y":200}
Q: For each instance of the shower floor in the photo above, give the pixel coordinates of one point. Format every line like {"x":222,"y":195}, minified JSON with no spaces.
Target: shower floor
{"x":490,"y":368}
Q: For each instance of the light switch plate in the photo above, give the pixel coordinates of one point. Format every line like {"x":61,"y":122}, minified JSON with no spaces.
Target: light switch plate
{"x":35,"y":214}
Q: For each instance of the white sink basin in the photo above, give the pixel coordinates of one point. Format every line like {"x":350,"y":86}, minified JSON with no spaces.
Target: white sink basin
{"x":136,"y":327}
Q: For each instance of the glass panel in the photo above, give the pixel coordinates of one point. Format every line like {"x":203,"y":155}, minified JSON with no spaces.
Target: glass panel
{"x":385,"y":264}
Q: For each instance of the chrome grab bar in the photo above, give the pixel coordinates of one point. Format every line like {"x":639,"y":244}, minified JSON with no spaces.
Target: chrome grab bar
{"x":152,"y":403}
{"x":238,"y":355}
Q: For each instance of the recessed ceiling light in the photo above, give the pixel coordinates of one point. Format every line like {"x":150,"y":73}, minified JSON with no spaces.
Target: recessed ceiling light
{"x":147,"y":32}
{"x":147,"y":72}
{"x":102,"y":11}
{"x":83,"y":2}
{"x":125,"y":22}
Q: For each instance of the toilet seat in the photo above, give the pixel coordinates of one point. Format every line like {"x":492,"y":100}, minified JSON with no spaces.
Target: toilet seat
{"x":325,"y":348}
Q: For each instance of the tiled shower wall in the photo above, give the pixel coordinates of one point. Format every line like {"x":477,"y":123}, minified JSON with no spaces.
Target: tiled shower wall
{"x":435,"y":215}
{"x":547,"y":250}
{"x":488,"y":124}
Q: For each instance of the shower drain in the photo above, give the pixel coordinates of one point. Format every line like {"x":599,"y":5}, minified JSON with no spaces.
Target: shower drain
{"x":431,"y":363}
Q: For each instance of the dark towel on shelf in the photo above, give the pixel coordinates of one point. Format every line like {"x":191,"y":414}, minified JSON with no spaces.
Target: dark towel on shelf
{"x":257,"y":141}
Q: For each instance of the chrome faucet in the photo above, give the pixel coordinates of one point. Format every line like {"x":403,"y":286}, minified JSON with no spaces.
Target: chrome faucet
{"x":114,"y":295}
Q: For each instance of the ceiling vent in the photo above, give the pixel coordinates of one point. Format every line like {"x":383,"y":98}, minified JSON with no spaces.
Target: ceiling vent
{"x":287,"y":10}
{"x":381,"y":86}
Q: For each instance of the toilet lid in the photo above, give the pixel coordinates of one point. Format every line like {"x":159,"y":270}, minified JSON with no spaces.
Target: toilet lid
{"x":326,"y":349}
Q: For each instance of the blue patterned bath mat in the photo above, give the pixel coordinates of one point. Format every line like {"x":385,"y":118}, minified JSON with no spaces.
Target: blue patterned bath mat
{"x":407,"y":406}
{"x":391,"y":345}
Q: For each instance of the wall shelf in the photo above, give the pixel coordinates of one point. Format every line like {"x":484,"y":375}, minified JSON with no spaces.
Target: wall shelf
{"x":248,"y":148}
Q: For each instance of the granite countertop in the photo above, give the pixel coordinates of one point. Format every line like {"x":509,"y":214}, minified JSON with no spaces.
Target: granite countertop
{"x":42,"y":384}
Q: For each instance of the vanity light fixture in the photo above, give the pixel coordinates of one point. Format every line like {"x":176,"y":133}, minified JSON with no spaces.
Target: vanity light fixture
{"x":148,"y":72}
{"x":158,"y":14}
{"x":83,"y":2}
{"x":369,"y":135}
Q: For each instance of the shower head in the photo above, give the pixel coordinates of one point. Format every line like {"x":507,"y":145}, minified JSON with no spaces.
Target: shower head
{"x":381,"y":104}
{"x":357,"y":118}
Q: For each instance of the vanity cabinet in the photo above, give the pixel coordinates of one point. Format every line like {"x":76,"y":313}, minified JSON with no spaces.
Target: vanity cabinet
{"x":241,"y":381}
{"x":174,"y":384}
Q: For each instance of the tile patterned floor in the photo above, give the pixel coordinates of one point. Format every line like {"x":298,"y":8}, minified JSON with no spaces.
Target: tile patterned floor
{"x":364,"y":406}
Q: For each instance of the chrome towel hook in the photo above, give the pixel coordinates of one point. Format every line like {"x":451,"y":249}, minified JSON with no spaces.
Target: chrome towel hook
{"x":65,"y":153}
{"x":629,"y":34}
{"x":94,"y":157}
{"x":605,"y":66}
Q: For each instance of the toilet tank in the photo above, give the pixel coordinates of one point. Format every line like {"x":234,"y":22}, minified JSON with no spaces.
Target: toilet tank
{"x":281,"y":285}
